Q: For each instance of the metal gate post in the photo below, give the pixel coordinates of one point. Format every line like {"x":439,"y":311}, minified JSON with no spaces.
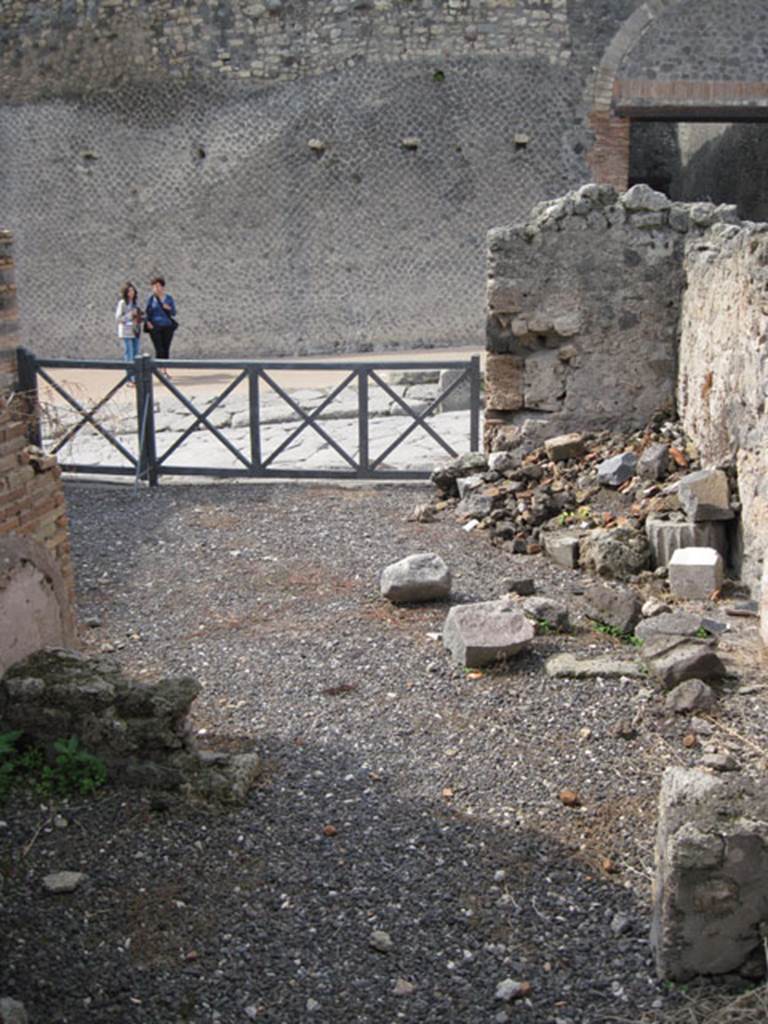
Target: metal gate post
{"x":26,"y":368}
{"x":145,"y":415}
{"x":474,"y":405}
{"x":363,"y":456}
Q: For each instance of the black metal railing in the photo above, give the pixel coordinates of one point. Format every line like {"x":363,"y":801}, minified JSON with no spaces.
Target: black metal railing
{"x":148,"y":463}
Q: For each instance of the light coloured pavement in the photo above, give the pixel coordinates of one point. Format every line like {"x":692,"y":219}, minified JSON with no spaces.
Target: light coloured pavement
{"x":183,"y":443}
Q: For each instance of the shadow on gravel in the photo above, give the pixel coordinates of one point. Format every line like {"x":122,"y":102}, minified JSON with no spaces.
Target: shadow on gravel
{"x":265,"y":913}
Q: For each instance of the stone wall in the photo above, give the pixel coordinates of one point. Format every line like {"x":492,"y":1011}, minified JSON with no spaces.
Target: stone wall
{"x":583,"y":312}
{"x":723,"y":380}
{"x":309,"y":175}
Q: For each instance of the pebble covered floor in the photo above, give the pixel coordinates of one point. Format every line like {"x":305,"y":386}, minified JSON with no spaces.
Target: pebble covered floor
{"x":401,"y":795}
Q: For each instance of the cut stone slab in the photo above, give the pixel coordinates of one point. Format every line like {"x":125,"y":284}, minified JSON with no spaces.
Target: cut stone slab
{"x":479,"y":634}
{"x":695,"y":573}
{"x":563,"y":548}
{"x":420,"y":577}
{"x":569,"y":666}
{"x":615,"y":606}
{"x":653,"y":463}
{"x":461,"y":396}
{"x":691,"y":695}
{"x":565,"y":446}
{"x":666,"y":536}
{"x":704,"y":495}
{"x":710,"y":889}
{"x":670,"y":624}
{"x":613,"y":472}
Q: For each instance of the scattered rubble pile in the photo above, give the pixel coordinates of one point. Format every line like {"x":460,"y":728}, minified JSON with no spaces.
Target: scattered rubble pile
{"x":612,"y":504}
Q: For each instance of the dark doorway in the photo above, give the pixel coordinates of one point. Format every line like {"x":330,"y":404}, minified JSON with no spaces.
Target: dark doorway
{"x":709,"y":161}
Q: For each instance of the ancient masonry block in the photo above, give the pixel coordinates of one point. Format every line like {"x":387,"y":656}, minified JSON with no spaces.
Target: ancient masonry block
{"x":504,"y":382}
{"x":695,"y":572}
{"x":711,"y":878}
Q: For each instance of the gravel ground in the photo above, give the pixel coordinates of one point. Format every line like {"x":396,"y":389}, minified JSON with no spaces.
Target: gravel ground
{"x":441,"y":786}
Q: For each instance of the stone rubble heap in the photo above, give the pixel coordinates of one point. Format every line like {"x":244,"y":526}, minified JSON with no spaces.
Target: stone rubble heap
{"x":613,"y":504}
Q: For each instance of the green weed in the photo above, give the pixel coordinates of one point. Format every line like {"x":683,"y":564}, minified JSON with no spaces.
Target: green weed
{"x":74,"y":770}
{"x":626,"y":638}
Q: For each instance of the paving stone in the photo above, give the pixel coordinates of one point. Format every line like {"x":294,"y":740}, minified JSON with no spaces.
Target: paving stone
{"x":569,"y":666}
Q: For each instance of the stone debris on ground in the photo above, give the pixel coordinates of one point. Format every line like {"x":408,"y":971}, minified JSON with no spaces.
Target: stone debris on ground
{"x":420,"y":577}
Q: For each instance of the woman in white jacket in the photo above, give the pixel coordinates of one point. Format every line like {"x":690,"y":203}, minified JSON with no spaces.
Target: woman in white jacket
{"x":129,"y":316}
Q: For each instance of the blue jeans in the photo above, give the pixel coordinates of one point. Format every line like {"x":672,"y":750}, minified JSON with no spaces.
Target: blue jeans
{"x":131,"y":348}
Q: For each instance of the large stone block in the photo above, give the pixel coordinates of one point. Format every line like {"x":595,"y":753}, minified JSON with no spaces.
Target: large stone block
{"x":710,"y":890}
{"x":479,"y":634}
{"x":544,"y":381}
{"x":704,"y":495}
{"x":665,"y":537}
{"x":503,"y":382}
{"x":695,"y":573}
{"x":618,"y":607}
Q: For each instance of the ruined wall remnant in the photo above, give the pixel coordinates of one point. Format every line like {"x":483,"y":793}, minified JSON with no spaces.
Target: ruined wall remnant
{"x":711,"y":881}
{"x":37,"y":597}
{"x":140,"y":730}
{"x":723,"y":381}
{"x":583,"y":312}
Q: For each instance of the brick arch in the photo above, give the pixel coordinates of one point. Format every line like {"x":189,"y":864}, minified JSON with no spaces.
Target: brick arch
{"x":613,"y":102}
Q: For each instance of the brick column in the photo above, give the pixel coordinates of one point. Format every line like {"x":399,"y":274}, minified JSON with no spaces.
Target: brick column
{"x":9,"y":320}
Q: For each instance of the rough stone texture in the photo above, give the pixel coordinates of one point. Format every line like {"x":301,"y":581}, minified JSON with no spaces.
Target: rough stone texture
{"x":479,"y":634}
{"x":711,"y":877}
{"x":764,"y":610}
{"x":420,"y":577}
{"x":653,"y":463}
{"x":548,"y":610}
{"x":704,"y":495}
{"x":35,"y":601}
{"x":691,"y":695}
{"x":565,"y":665}
{"x":615,"y":471}
{"x":723,"y":376}
{"x":615,"y":606}
{"x":139,"y":730}
{"x":444,"y":476}
{"x":667,"y":535}
{"x":619,"y":552}
{"x":677,"y":659}
{"x":695,"y":573}
{"x":12,"y":1012}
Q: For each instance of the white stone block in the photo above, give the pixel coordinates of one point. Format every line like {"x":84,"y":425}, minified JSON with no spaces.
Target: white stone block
{"x":695,"y":572}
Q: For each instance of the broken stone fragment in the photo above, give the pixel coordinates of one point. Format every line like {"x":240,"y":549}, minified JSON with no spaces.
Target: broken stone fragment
{"x":503,"y":462}
{"x":673,"y":661}
{"x":705,"y":495}
{"x":643,"y":197}
{"x":615,"y":471}
{"x":479,"y":634}
{"x":63,"y":881}
{"x":547,"y":610}
{"x":691,"y":695}
{"x":568,"y":666}
{"x":653,"y":463}
{"x":475,"y":505}
{"x":695,"y":573}
{"x":562,"y":547}
{"x":444,"y":476}
{"x":12,"y":1011}
{"x":565,"y":446}
{"x":618,"y":607}
{"x":420,"y":577}
{"x":669,"y":624}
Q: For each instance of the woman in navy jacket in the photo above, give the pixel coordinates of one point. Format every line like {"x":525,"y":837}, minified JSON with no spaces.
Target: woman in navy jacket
{"x":161,"y":318}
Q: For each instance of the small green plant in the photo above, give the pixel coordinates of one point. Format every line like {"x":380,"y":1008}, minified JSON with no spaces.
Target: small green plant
{"x":701,"y":633}
{"x":626,"y":638}
{"x":74,"y":770}
{"x":578,"y":515}
{"x":544,"y":627}
{"x":438,"y":75}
